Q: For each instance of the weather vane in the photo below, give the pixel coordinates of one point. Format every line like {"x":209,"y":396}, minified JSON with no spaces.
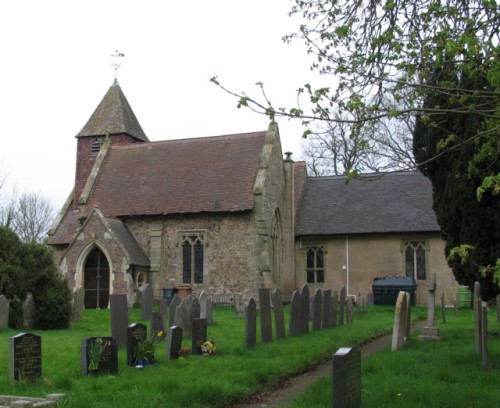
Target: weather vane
{"x":116,"y":64}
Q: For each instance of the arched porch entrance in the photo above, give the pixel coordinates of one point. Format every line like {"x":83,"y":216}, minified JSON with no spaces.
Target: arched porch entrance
{"x":96,"y":280}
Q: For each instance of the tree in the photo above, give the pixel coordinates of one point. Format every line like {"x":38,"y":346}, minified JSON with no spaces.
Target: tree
{"x":380,"y":53}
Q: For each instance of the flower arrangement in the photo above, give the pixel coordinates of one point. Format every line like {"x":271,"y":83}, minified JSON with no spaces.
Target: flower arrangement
{"x":95,"y":349}
{"x":145,"y":350}
{"x":184,"y":352}
{"x":208,"y":347}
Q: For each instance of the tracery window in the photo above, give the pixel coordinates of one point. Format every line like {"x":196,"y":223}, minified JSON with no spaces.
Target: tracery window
{"x":315,"y":265}
{"x":415,"y":259}
{"x":192,"y":257}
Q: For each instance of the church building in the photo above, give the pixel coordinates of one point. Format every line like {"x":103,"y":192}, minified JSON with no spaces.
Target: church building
{"x":231,"y":214}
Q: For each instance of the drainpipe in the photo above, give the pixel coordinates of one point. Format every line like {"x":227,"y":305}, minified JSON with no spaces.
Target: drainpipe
{"x":347,"y":262}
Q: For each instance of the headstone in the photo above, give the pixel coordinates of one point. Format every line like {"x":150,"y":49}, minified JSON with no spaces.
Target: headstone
{"x":295,"y":314}
{"x":335,"y":309}
{"x":304,"y":309}
{"x":205,"y":307}
{"x":350,"y":309}
{"x":239,"y":305}
{"x":443,"y":309}
{"x":174,"y":342}
{"x":176,"y":301}
{"x":157,"y":327}
{"x":25,"y":357}
{"x":108,"y":361}
{"x":279,"y":315}
{"x":317,"y":306}
{"x":477,"y":305}
{"x":78,"y":304}
{"x":136,"y":333}
{"x":430,"y":331}
{"x":118,"y":312}
{"x":266,"y":329}
{"x":484,"y":336}
{"x":199,"y":335}
{"x":195,"y":307}
{"x":250,"y":323}
{"x":163,"y":307}
{"x":347,"y":378}
{"x":4,"y":312}
{"x":29,"y":312}
{"x":498,"y":308}
{"x":327,"y":309}
{"x":147,"y":301}
{"x":399,"y":331}
{"x":342,"y":300}
{"x":183,"y":316}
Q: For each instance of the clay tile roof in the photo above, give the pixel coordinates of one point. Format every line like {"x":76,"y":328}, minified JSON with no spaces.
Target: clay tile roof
{"x":397,"y":202}
{"x":212,"y":174}
{"x":113,"y":115}
{"x":125,"y":237}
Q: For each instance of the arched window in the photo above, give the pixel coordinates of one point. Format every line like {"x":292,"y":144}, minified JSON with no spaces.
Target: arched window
{"x":315,"y":265}
{"x":192,"y":258}
{"x":96,"y":280}
{"x":415,"y":259}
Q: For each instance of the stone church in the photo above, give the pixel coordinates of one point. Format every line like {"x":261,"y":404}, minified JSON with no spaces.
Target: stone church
{"x":231,"y":214}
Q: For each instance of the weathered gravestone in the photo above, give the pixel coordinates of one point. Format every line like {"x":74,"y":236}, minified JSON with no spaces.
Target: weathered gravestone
{"x":304,"y":309}
{"x":78,"y":304}
{"x":250,"y":323}
{"x":266,"y":329}
{"x":195,"y":307}
{"x":147,"y":302}
{"x":327,"y":309}
{"x":317,"y":306}
{"x":347,"y":378}
{"x":239,"y":304}
{"x":136,"y":333}
{"x":29,"y":312}
{"x":118,"y":312}
{"x":199,"y":335}
{"x":400,"y":329}
{"x":157,"y":327}
{"x":342,"y":300}
{"x":430,"y":331}
{"x":484,"y":336}
{"x":25,"y":357}
{"x":176,"y":301}
{"x":279,"y":316}
{"x":335,"y":309}
{"x":477,"y":304}
{"x":163,"y":307}
{"x":295,"y":314}
{"x":4,"y":312}
{"x":205,"y":307}
{"x":183,"y":316}
{"x":443,"y":309}
{"x":174,"y":342}
{"x":106,"y":361}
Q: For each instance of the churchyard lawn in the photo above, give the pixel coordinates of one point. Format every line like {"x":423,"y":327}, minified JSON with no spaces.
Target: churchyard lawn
{"x":424,"y":372}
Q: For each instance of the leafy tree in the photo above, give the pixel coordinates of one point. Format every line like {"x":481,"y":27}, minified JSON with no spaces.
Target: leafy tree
{"x":381,"y":54}
{"x":30,"y":268}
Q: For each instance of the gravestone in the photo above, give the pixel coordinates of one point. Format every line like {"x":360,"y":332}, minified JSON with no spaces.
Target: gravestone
{"x":327,"y":309}
{"x":342,"y":300}
{"x":29,"y":312}
{"x":183,"y":316}
{"x":4,"y":312}
{"x":78,"y":305}
{"x":295,"y":314}
{"x":400,"y":328}
{"x":335,"y":309}
{"x":266,"y":329}
{"x":250,"y":323}
{"x":199,"y":335}
{"x":279,"y":316}
{"x":350,"y":309}
{"x":205,"y":307}
{"x":304,"y":309}
{"x":195,"y":307}
{"x":157,"y":327}
{"x":443,"y":309}
{"x":136,"y":333}
{"x":176,"y":301}
{"x":239,"y":305}
{"x":347,"y":378}
{"x":108,"y":362}
{"x":147,"y":301}
{"x":498,"y":308}
{"x":163,"y":307}
{"x":430,"y":331}
{"x":477,"y":305}
{"x":118,"y":312}
{"x":484,"y":336}
{"x":317,"y":306}
{"x":174,"y":342}
{"x":25,"y":357}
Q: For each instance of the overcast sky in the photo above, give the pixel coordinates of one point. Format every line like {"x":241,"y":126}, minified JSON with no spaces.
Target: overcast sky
{"x":56,"y":67}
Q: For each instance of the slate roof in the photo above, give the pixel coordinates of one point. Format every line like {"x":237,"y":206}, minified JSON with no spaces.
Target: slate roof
{"x":113,"y":115}
{"x":211,"y":174}
{"x":395,"y":203}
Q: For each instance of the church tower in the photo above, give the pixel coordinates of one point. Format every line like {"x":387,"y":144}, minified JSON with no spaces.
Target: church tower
{"x":112,"y":118}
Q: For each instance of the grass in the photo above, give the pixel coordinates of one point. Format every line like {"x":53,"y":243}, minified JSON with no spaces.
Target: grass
{"x":235,"y":372}
{"x":447,"y":373}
